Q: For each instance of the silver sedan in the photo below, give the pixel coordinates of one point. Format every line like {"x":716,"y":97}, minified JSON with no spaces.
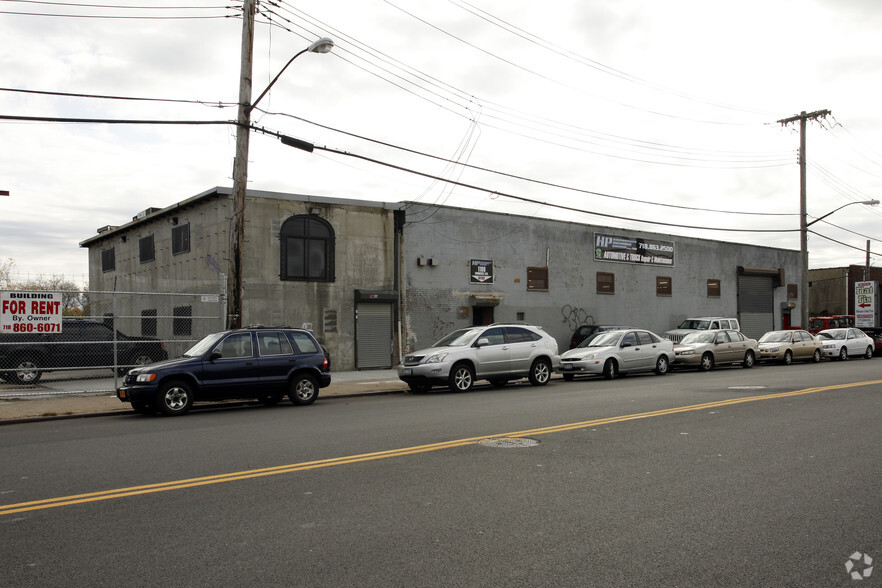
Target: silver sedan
{"x":618,"y":352}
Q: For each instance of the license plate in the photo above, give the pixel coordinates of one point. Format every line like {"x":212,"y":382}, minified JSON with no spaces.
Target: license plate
{"x":406,"y":372}
{"x":566,"y":366}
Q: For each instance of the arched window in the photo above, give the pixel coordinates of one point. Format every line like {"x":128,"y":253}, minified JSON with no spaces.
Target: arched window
{"x":307,"y":249}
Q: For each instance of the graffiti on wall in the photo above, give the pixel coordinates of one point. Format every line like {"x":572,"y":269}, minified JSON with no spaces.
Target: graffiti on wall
{"x":574,"y":316}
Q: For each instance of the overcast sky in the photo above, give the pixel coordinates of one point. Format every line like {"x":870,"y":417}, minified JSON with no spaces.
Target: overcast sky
{"x":659,"y":115}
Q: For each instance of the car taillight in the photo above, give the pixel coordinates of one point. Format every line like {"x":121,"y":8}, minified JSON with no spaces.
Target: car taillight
{"x":325,"y":363}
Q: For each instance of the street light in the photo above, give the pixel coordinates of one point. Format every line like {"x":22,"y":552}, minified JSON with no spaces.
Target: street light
{"x":804,"y":286}
{"x":240,"y":169}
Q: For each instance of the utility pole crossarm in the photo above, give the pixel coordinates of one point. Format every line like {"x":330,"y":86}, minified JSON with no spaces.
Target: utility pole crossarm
{"x":805,"y":116}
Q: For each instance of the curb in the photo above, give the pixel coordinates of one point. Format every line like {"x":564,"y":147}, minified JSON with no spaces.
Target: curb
{"x":231,"y":403}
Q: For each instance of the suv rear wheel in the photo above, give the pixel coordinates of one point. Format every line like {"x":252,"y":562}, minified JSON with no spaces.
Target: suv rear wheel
{"x":303,"y":390}
{"x":540,"y":372}
{"x":461,"y":377}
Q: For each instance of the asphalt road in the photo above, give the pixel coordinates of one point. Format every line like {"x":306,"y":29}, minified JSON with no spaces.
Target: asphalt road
{"x":761,"y":477}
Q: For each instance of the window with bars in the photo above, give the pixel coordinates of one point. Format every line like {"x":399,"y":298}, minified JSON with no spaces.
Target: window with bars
{"x":181,"y":239}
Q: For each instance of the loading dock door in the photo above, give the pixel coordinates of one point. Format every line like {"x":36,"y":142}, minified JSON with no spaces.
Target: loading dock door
{"x":756,"y":308}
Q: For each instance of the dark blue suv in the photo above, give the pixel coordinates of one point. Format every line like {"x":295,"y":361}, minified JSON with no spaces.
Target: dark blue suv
{"x":256,"y":362}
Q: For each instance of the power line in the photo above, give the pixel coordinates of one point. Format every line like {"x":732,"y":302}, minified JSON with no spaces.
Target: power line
{"x":306,"y":146}
{"x":132,"y":98}
{"x":536,"y":128}
{"x":523,"y":178}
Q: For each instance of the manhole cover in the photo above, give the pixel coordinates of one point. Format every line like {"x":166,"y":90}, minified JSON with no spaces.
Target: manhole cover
{"x":508,"y":442}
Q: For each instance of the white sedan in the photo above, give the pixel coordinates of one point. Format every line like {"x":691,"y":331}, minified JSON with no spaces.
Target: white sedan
{"x":842,"y":343}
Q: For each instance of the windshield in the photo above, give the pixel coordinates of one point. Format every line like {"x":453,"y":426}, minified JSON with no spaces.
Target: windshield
{"x":458,"y":338}
{"x":694,"y":324}
{"x":698,"y":338}
{"x":200,"y":348}
{"x":836,"y":335}
{"x":606,"y":339}
{"x":775,"y":337}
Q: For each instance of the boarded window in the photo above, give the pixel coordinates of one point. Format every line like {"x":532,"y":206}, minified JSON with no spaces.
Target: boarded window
{"x":537,"y":278}
{"x":663,"y":286}
{"x":713,"y":288}
{"x":606,"y":283}
{"x":792,"y":291}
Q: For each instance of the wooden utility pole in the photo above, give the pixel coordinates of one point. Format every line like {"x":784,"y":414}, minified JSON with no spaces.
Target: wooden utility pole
{"x":802,"y":117}
{"x":235,"y":284}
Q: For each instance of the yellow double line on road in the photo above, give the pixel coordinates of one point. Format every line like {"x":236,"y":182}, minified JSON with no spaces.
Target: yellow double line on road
{"x":325,"y":463}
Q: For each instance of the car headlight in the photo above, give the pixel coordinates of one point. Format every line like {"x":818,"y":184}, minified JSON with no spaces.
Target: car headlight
{"x":686,"y":352}
{"x":146,"y":377}
{"x":773,"y":349}
{"x":438,"y":357}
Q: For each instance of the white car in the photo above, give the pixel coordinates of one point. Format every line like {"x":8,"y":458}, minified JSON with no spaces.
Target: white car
{"x":618,"y":352}
{"x":497,"y":353}
{"x":842,"y":343}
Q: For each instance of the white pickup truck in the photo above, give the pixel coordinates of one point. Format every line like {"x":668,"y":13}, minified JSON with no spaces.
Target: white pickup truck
{"x":704,"y":323}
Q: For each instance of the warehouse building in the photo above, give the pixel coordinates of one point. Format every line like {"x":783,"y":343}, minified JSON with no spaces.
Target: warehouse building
{"x":374,"y":280}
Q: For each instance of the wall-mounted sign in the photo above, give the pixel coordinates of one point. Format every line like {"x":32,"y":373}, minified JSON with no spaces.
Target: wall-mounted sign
{"x":30,"y":312}
{"x":633,"y":250}
{"x":865,"y":304}
{"x":480,"y":271}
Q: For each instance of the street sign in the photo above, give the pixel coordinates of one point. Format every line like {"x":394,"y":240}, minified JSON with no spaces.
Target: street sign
{"x":865,"y":304}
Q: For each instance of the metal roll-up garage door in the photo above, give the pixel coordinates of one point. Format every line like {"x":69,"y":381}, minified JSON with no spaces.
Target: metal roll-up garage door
{"x":373,"y":336}
{"x":756,"y":305}
{"x":374,"y":328}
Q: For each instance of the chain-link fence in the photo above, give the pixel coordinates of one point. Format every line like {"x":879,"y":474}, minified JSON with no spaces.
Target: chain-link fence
{"x":103,"y":335}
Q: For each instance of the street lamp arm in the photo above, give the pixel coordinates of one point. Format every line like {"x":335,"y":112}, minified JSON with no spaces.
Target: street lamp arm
{"x":323,"y":45}
{"x":867,"y":202}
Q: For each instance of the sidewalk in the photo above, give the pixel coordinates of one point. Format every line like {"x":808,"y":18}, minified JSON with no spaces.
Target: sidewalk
{"x":28,"y":408}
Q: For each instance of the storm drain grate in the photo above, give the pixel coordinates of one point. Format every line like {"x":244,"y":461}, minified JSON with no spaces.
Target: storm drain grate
{"x":509,"y":442}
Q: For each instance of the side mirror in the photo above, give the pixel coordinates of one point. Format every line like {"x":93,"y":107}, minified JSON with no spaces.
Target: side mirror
{"x":623,"y":345}
{"x":215,"y":355}
{"x":482,"y":342}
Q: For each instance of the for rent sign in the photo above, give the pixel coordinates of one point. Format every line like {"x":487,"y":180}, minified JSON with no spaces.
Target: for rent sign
{"x":30,"y":312}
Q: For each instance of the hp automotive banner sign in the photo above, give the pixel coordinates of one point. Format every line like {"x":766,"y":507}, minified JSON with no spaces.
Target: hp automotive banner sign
{"x":633,"y":250}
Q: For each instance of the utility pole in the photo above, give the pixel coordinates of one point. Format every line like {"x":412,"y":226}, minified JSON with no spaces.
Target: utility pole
{"x":802,"y":117}
{"x":235,"y":285}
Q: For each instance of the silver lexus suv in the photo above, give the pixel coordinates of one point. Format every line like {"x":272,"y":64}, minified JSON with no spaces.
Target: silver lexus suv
{"x":497,"y":353}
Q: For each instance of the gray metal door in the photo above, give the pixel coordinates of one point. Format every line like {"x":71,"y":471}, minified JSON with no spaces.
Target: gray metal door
{"x":756,"y":305}
{"x":373,"y":336}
